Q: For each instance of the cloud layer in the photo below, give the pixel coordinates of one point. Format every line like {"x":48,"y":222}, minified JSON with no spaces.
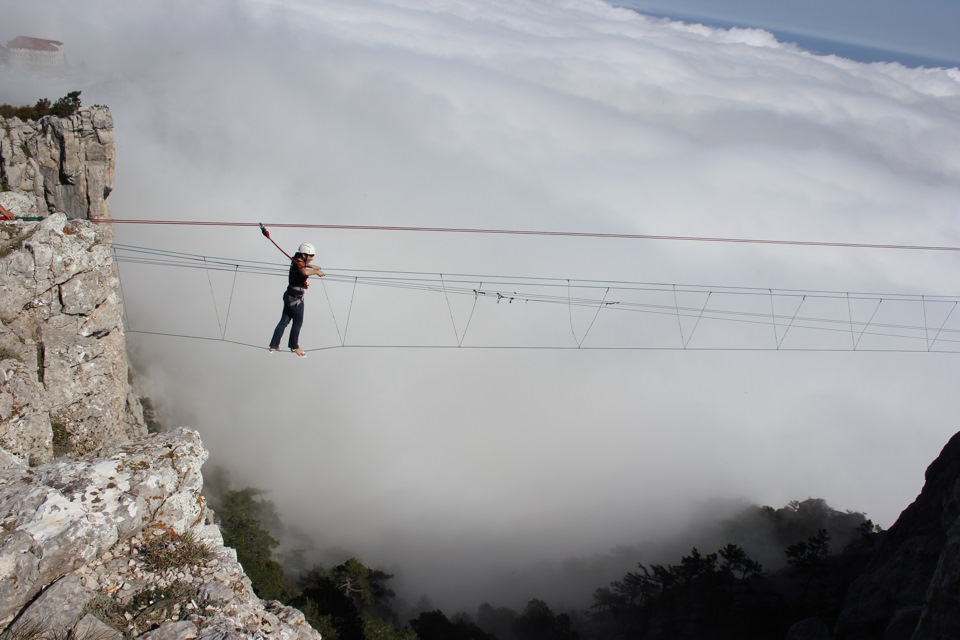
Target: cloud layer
{"x":453,"y":466}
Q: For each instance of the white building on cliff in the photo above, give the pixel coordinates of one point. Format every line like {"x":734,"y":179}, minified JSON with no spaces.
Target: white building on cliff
{"x":35,"y":53}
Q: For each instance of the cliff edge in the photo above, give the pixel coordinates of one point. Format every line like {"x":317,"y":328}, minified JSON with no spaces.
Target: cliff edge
{"x":104,"y":533}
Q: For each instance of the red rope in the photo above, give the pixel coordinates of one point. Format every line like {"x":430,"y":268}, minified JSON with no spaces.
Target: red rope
{"x":266,"y":234}
{"x":574,"y":234}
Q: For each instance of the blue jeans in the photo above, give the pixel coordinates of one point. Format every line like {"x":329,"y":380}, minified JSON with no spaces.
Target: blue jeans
{"x":292,"y":310}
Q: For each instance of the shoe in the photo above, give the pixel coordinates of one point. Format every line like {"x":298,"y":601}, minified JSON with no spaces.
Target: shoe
{"x":271,"y":349}
{"x":300,"y":352}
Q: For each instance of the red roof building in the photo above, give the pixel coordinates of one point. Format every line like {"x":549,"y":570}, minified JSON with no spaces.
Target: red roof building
{"x":34,"y":44}
{"x":36,"y":53}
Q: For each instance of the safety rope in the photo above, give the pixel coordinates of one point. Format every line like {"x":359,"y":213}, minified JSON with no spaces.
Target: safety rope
{"x":532,"y":232}
{"x":266,"y":234}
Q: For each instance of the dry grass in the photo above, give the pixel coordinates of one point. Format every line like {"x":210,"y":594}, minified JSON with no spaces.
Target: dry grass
{"x":170,"y":550}
{"x":42,"y":630}
{"x":148,"y":608}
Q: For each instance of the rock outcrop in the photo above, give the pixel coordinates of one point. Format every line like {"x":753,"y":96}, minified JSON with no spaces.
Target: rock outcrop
{"x":63,"y":364}
{"x":59,"y":164}
{"x":909,"y":589}
{"x":104,"y":533}
{"x":120,"y":541}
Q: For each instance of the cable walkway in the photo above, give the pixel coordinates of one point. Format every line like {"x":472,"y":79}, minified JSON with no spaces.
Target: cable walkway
{"x":619,"y":296}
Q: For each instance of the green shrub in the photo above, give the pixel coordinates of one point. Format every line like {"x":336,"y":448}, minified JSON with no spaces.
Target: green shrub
{"x":63,"y":107}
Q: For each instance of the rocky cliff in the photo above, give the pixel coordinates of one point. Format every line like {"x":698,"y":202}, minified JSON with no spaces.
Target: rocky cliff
{"x":910,"y":588}
{"x":58,"y":164}
{"x":104,"y":532}
{"x":119,"y":543}
{"x":63,"y":365}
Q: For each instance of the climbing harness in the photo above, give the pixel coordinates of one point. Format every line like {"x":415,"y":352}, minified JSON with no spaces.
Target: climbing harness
{"x":294,"y":292}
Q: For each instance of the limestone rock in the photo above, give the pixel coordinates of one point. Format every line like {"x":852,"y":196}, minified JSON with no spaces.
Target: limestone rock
{"x":182,"y":630}
{"x":61,"y":164}
{"x":20,"y":205}
{"x":58,"y":609}
{"x":61,"y":318}
{"x":25,"y":430}
{"x":92,"y":628}
{"x":63,"y":515}
{"x":86,"y":526}
{"x":9,"y":463}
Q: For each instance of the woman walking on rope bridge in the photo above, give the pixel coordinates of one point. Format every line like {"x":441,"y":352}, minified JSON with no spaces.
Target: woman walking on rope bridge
{"x":300,"y":270}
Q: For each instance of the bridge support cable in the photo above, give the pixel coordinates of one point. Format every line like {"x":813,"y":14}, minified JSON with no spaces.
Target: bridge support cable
{"x":773,"y":318}
{"x":790,"y":324}
{"x":600,"y":306}
{"x":697,"y":323}
{"x":647,"y":298}
{"x":332,"y":314}
{"x":476,"y":296}
{"x":213,"y":297}
{"x":862,"y":331}
{"x":230,"y":303}
{"x":853,"y":342}
{"x":346,"y":327}
{"x":453,"y":322}
{"x":123,"y":297}
{"x":676,"y":305}
{"x":942,"y":325}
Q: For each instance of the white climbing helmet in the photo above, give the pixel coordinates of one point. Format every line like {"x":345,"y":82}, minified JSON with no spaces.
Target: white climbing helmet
{"x":307,"y":249}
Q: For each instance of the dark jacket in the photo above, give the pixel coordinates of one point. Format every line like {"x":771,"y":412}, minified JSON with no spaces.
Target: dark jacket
{"x":296,"y":280}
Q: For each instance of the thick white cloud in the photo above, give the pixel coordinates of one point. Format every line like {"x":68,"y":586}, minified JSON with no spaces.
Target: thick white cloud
{"x":539,"y":115}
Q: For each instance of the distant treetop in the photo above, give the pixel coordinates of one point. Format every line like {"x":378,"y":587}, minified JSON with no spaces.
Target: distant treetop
{"x":63,"y":108}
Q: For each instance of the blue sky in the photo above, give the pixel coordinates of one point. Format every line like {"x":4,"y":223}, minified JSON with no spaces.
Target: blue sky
{"x":914,"y":33}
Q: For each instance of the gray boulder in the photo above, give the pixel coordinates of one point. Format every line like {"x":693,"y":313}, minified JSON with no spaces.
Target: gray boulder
{"x":63,"y":515}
